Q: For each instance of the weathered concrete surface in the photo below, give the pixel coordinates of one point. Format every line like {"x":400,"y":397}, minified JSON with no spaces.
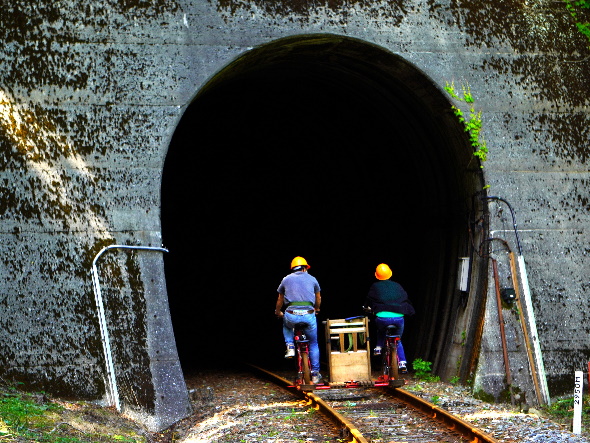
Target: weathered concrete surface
{"x":90,"y":95}
{"x":81,"y":169}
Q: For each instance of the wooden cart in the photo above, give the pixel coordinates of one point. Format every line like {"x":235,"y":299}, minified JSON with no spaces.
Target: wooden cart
{"x":348,"y":350}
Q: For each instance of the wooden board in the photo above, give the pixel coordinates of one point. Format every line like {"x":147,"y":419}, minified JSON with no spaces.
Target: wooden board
{"x":348,"y":349}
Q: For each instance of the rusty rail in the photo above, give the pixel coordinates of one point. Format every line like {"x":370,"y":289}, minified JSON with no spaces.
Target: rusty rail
{"x":449,"y":420}
{"x":352,"y":433}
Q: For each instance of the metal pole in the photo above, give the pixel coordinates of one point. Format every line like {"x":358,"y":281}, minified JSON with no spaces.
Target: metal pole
{"x":533,"y":327}
{"x":113,"y":391}
{"x":502,"y":331}
{"x":525,"y":331}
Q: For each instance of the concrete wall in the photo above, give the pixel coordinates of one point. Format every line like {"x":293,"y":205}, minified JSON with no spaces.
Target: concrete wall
{"x":83,"y":137}
{"x":90,"y":94}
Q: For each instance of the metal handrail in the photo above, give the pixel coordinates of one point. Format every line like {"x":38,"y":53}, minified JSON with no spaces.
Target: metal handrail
{"x":104,"y":333}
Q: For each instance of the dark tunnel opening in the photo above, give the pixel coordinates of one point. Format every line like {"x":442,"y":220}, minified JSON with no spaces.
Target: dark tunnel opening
{"x":321,"y":147}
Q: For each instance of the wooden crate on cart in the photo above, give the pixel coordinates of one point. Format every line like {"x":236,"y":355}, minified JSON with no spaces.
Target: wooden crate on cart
{"x":348,"y":350}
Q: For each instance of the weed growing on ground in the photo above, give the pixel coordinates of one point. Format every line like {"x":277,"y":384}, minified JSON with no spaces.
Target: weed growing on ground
{"x":562,"y":411}
{"x":564,"y":408}
{"x":33,"y":417}
{"x":423,"y":370}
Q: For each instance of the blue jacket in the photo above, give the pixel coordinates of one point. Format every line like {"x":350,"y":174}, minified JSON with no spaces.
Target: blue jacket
{"x":387,"y":295}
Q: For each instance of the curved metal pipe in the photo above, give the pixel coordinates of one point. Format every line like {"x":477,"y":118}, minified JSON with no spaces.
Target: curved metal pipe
{"x":493,"y":197}
{"x":492,"y":239}
{"x":112,"y":389}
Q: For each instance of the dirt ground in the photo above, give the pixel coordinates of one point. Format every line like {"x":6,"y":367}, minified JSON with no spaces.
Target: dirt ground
{"x":235,"y":406}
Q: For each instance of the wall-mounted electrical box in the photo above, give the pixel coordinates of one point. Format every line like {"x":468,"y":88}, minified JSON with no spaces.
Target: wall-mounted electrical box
{"x":508,"y":295}
{"x":463,"y":282}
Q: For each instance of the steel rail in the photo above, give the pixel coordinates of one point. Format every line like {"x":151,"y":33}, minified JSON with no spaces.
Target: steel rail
{"x":352,"y":433}
{"x":449,"y":420}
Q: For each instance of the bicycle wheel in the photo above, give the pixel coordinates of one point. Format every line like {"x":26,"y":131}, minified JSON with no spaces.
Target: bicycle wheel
{"x":393,"y":365}
{"x":305,"y":368}
{"x":385,"y":359}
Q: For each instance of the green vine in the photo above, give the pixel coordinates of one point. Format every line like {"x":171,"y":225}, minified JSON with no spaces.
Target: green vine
{"x":574,"y":6}
{"x":472,"y":123}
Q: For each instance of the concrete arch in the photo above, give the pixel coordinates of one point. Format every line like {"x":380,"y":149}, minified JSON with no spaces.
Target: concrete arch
{"x":331,"y":148}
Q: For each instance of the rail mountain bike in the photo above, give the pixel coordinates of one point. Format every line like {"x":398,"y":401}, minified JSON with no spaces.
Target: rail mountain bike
{"x":302,"y":354}
{"x":389,"y":358}
{"x":390,"y":361}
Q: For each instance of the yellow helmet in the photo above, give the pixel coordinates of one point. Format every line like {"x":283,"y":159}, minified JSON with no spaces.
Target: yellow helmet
{"x":383,"y":272}
{"x":299,"y":261}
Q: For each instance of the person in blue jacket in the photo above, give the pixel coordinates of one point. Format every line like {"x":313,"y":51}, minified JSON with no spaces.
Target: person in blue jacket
{"x":389,"y":302}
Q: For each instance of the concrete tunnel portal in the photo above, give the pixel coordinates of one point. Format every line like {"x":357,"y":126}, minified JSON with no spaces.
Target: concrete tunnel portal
{"x":324,"y":147}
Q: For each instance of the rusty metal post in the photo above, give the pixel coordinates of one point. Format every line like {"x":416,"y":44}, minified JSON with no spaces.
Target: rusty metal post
{"x":502,"y":331}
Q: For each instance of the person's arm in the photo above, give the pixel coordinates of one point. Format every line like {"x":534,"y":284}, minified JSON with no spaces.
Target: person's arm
{"x":368,"y":305}
{"x":279,"y":305}
{"x":318,"y":302}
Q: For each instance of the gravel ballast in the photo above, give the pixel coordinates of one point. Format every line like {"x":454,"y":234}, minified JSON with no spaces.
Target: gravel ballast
{"x":236,"y":406}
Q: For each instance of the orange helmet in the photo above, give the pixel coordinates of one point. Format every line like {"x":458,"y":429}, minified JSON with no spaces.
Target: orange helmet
{"x":383,"y":272}
{"x":299,"y":261}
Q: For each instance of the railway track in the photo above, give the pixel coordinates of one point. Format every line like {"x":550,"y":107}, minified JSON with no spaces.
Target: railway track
{"x":379,"y":414}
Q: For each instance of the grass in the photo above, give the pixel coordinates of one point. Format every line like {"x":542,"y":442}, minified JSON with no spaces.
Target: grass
{"x":564,"y":407}
{"x":35,"y":418}
{"x":562,"y":411}
{"x":422,"y":370}
{"x":22,"y":417}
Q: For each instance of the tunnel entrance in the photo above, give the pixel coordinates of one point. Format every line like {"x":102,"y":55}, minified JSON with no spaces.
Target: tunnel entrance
{"x":324,"y":147}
